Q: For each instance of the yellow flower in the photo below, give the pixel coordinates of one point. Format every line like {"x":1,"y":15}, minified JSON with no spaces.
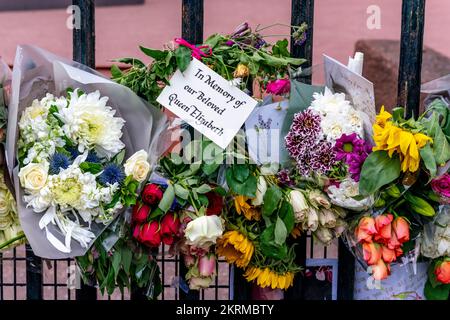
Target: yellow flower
{"x":269,"y":278}
{"x":393,"y":139}
{"x":241,"y":71}
{"x":243,"y":207}
{"x":236,"y":248}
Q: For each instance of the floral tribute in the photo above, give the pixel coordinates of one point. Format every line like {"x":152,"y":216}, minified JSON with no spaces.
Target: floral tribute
{"x":71,"y":165}
{"x":327,"y":141}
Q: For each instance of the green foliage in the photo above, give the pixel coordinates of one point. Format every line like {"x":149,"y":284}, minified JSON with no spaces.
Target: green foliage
{"x":378,"y":170}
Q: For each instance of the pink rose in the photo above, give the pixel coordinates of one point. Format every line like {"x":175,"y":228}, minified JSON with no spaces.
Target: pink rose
{"x":441,"y":186}
{"x":207,"y":265}
{"x":279,"y":87}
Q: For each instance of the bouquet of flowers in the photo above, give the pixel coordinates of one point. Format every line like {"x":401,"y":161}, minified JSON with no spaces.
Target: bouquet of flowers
{"x":405,"y":174}
{"x":11,"y":233}
{"x":71,"y":165}
{"x":77,"y":156}
{"x":326,"y":142}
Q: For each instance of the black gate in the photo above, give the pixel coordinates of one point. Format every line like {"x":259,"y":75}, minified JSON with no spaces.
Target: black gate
{"x":25,"y":276}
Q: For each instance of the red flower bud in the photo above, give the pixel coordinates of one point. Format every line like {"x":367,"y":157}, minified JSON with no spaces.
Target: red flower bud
{"x":170,"y":226}
{"x":140,"y":213}
{"x":215,"y":203}
{"x":152,"y":194}
{"x":150,"y":234}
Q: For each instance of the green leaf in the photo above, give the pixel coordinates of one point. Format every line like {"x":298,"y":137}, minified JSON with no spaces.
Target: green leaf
{"x":116,"y":262}
{"x":427,"y":155}
{"x":280,"y":232}
{"x":183,"y":57}
{"x":127,"y":256}
{"x":204,"y":188}
{"x":272,"y":198}
{"x":240,"y":172}
{"x":268,"y":246}
{"x":115,"y":71}
{"x":167,"y":199}
{"x":181,"y":191}
{"x":281,"y":48}
{"x":153,"y":53}
{"x":118,"y":158}
{"x":398,"y":114}
{"x":441,"y":147}
{"x":437,"y":293}
{"x":132,"y":61}
{"x":91,"y":167}
{"x":378,"y":170}
{"x":248,"y":188}
{"x":287,"y":215}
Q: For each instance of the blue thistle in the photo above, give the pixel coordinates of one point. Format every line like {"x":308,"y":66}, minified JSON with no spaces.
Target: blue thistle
{"x":92,"y":157}
{"x":57,"y":162}
{"x":111,"y":174}
{"x":73,"y":152}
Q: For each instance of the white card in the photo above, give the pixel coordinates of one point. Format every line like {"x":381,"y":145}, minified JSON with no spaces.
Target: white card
{"x":207,"y":102}
{"x":358,"y":89}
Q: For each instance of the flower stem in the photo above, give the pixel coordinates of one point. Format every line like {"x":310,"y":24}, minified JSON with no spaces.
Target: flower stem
{"x":10,"y":241}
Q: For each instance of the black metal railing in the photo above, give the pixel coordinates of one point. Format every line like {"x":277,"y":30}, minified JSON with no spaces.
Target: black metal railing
{"x":235,"y":286}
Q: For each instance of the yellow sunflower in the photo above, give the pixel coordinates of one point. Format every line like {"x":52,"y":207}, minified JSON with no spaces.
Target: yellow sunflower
{"x":236,"y":248}
{"x":269,"y":278}
{"x":243,"y":207}
{"x":391,"y":138}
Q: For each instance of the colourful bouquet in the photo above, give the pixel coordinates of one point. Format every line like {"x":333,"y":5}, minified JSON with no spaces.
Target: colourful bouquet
{"x":71,"y":165}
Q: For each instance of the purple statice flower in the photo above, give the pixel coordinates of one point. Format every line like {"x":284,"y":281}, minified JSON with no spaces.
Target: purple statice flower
{"x":284,"y":177}
{"x":259,"y":43}
{"x":352,"y":150}
{"x":301,"y":40}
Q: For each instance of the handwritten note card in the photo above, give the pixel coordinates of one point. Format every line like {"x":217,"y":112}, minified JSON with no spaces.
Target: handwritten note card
{"x":358,"y":89}
{"x":207,"y":102}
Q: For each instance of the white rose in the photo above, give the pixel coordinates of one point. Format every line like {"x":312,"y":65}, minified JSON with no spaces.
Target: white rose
{"x":204,"y":231}
{"x":324,"y":235}
{"x":318,"y":198}
{"x":260,"y":192}
{"x":137,"y":166}
{"x":33,"y":176}
{"x":5,"y":202}
{"x":327,"y":218}
{"x":299,"y":204}
{"x":312,"y":222}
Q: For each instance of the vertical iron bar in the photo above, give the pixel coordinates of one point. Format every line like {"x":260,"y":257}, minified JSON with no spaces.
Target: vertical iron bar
{"x":346,"y":272}
{"x":192,"y":21}
{"x":302,"y":11}
{"x":411,"y":47}
{"x":84,"y":52}
{"x":191,"y":31}
{"x":34,"y":275}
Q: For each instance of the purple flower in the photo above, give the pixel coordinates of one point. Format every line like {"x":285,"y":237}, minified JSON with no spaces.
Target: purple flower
{"x":284,"y":177}
{"x":229,"y":43}
{"x":300,"y":40}
{"x":304,"y":145}
{"x":352,"y":151}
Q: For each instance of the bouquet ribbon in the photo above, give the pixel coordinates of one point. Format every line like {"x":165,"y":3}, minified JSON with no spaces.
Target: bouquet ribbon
{"x":197,"y":52}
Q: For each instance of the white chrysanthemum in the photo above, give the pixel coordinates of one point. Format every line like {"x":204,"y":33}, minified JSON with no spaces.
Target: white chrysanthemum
{"x":90,"y":123}
{"x":327,"y":102}
{"x":344,"y":196}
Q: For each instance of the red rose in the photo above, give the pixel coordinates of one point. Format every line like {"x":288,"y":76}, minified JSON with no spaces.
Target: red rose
{"x":215,"y":203}
{"x":140,"y":213}
{"x":152,"y":194}
{"x":170,"y":226}
{"x":150,"y":234}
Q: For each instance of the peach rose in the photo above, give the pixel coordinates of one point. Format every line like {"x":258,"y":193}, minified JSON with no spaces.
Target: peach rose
{"x":389,"y":255}
{"x":383,"y":226}
{"x":442,"y":272}
{"x":366,"y":229}
{"x":381,"y":270}
{"x":372,"y":252}
{"x":401,"y":229}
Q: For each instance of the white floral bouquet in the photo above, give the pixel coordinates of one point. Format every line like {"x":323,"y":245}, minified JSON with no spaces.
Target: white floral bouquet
{"x":66,"y":150}
{"x":327,"y":143}
{"x":70,"y":164}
